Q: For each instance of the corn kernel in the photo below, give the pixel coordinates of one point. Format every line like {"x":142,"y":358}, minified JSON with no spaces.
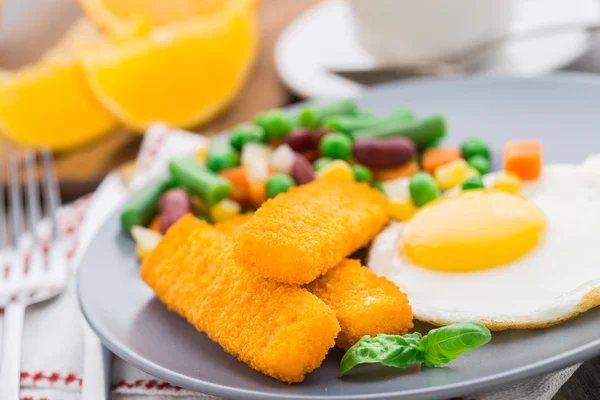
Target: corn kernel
{"x":202,"y":152}
{"x":338,"y":170}
{"x":451,"y":174}
{"x":507,"y":182}
{"x":401,"y":210}
{"x":225,"y":209}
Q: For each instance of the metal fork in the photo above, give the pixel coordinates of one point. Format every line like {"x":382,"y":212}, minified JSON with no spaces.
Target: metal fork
{"x":32,"y":275}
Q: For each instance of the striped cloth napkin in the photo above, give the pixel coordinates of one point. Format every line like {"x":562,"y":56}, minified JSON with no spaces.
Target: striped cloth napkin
{"x":53,"y":339}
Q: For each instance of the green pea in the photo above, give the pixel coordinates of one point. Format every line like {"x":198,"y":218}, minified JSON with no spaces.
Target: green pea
{"x":474,"y":182}
{"x":322,"y":162}
{"x":247,"y":133}
{"x":423,"y":188}
{"x":362,"y":173}
{"x":480,"y":163}
{"x":336,"y":145}
{"x":378,"y":186}
{"x":279,"y":183}
{"x":276,"y":123}
{"x":474,"y":146}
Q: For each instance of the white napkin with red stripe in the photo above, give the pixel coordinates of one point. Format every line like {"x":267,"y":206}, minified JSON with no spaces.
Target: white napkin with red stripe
{"x":53,"y":339}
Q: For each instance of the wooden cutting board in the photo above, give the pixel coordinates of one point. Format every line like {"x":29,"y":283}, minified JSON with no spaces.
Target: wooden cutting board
{"x":81,"y":170}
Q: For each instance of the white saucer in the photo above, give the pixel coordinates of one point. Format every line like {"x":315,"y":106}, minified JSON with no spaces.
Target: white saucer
{"x":322,"y":38}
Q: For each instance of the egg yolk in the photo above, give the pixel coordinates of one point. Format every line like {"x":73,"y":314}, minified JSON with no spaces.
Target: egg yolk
{"x":473,"y":230}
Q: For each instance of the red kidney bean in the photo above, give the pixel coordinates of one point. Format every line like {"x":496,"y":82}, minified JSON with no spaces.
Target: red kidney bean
{"x":299,"y":140}
{"x":174,"y":204}
{"x":384,"y":153}
{"x":302,"y":171}
{"x":317,"y":135}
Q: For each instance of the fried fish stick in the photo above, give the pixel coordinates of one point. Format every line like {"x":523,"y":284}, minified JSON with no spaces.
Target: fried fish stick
{"x":299,"y":235}
{"x":364,"y":303}
{"x":233,"y":225}
{"x":282,"y":331}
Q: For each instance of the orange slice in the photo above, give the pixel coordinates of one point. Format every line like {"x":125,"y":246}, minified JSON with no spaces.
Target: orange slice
{"x":130,"y":17}
{"x":182,"y":74}
{"x":50,"y":103}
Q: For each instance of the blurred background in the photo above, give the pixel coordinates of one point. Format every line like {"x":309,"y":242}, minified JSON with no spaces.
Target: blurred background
{"x":88,"y":77}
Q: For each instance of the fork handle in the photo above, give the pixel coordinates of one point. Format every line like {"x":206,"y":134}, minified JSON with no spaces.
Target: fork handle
{"x":10,"y":369}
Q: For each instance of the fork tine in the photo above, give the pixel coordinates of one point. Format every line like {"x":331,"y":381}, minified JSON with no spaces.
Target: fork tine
{"x":51,"y":192}
{"x":36,"y":261}
{"x":33,"y":195}
{"x":16,"y":206}
{"x":3,"y":224}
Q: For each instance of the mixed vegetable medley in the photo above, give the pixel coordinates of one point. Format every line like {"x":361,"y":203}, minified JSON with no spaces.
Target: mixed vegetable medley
{"x":399,"y":154}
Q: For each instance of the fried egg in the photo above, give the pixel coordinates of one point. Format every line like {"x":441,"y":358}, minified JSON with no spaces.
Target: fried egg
{"x":508,"y":261}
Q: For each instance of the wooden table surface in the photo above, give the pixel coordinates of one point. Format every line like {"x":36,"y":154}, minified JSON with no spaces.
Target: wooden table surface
{"x":80,"y":171}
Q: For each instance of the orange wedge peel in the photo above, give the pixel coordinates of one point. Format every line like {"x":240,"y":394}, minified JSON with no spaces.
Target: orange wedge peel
{"x":132,"y":17}
{"x":182,"y":74}
{"x":50,"y":103}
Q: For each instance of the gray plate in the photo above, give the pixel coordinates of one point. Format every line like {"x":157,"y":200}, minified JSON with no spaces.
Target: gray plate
{"x":560,"y":110}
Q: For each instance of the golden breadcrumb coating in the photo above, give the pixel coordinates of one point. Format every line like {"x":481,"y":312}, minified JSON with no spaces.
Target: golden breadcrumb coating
{"x":364,"y":303}
{"x":282,"y":331}
{"x":300,"y":234}
{"x":233,"y":225}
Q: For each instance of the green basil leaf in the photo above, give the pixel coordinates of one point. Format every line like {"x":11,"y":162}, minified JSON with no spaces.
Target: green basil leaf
{"x":391,"y":350}
{"x":444,"y":344}
{"x":403,"y":356}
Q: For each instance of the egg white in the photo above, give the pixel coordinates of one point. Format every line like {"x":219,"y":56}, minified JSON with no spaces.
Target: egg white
{"x":557,"y":280}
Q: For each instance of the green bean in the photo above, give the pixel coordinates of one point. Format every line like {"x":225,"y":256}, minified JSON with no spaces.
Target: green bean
{"x":144,"y":204}
{"x":221,"y":155}
{"x":312,"y":116}
{"x":349,"y":124}
{"x":422,"y":131}
{"x":200,"y":181}
{"x":276,"y":123}
{"x":246,"y":133}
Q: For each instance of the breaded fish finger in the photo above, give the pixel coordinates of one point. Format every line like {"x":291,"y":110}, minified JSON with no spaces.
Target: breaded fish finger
{"x":364,"y":303}
{"x":299,"y":235}
{"x":234,"y":224}
{"x":282,"y":331}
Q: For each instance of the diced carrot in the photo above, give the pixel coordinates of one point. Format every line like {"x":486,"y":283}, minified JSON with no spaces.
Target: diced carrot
{"x":240,"y":190}
{"x":155,"y":224}
{"x":436,"y":157}
{"x":524,"y":158}
{"x":311,"y":155}
{"x":389,"y":174}
{"x":258,"y":193}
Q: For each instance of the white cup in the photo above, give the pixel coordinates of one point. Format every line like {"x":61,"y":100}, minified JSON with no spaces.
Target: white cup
{"x":405,"y":31}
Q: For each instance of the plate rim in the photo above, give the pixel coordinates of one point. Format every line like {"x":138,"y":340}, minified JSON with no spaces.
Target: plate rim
{"x":484,"y":384}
